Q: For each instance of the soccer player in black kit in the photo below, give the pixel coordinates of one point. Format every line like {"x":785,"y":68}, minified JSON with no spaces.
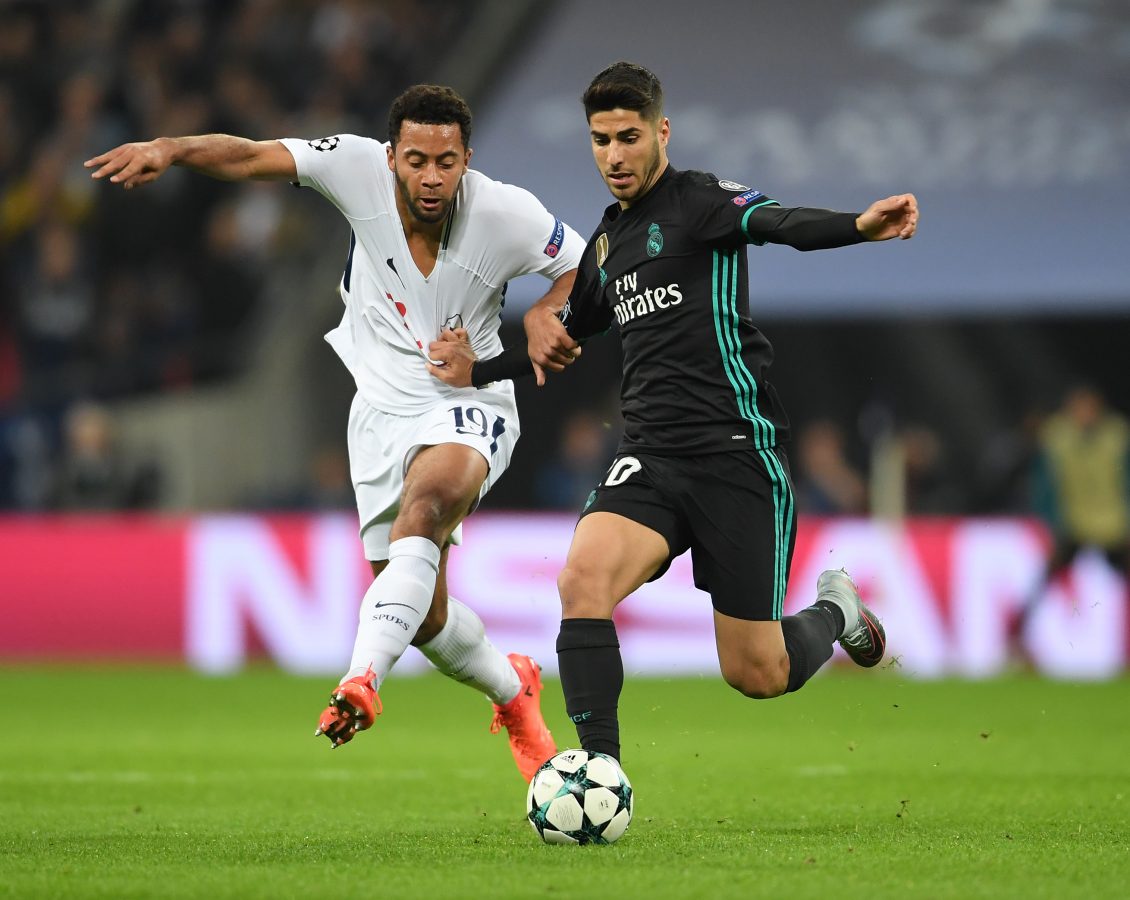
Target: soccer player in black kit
{"x":700,"y":466}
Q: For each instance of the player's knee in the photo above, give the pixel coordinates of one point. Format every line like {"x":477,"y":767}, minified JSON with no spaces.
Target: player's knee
{"x":759,"y":682}
{"x":584,"y":593}
{"x":431,"y":514}
{"x":571,"y":584}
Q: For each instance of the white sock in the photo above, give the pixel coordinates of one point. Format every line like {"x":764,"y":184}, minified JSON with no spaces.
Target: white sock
{"x":836,"y":586}
{"x":394,"y":606}
{"x":463,"y":652}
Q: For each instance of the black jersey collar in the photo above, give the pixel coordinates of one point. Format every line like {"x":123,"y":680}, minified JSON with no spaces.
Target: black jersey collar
{"x":614,"y":212}
{"x":446,"y":238}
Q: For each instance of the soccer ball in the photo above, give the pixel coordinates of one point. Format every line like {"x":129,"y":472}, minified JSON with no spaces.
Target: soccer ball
{"x":579,"y":797}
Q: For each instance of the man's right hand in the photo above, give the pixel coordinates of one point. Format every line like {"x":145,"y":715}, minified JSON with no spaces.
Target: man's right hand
{"x":222,"y":156}
{"x":450,"y":358}
{"x":131,"y":165}
{"x":549,"y":344}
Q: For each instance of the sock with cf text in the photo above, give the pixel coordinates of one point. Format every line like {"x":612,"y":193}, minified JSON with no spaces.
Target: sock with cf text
{"x":592,"y":676}
{"x":394,"y":606}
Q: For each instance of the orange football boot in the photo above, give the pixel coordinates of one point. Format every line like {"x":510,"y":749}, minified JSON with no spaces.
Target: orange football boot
{"x":354,"y":706}
{"x":530,"y":741}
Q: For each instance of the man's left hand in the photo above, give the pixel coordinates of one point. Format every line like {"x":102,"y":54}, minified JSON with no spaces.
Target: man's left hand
{"x":451,"y":357}
{"x":895,"y":217}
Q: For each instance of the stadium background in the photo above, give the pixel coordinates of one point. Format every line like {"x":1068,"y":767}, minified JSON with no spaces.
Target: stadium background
{"x":172,"y":426}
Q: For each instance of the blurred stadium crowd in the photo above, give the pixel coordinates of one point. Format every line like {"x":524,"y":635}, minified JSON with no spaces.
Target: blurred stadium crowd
{"x":105,"y":294}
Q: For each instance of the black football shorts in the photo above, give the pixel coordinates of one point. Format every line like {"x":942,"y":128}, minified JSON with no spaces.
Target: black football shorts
{"x":735,"y":512}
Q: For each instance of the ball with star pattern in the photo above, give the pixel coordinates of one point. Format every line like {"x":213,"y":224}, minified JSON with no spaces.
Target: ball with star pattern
{"x":579,"y":797}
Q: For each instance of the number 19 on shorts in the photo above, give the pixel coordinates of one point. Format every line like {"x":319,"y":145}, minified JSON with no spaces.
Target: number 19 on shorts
{"x":477,"y":421}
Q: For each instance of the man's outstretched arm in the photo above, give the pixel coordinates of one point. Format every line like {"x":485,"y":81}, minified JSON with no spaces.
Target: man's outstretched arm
{"x":221,"y":156}
{"x":804,"y":228}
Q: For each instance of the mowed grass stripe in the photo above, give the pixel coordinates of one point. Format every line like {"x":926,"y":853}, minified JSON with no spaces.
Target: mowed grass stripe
{"x":149,"y":782}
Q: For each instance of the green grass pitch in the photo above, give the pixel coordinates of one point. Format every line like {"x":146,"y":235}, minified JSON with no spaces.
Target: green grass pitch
{"x":145,"y":782}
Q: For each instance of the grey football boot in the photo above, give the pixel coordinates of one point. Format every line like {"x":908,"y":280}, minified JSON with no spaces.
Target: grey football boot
{"x":863,"y":639}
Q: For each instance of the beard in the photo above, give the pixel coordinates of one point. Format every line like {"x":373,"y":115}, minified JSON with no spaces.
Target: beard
{"x":644,"y":182}
{"x":430,"y":216}
{"x":421,"y":214}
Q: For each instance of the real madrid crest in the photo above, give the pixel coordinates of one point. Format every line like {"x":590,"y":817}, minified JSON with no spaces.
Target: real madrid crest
{"x":654,"y":240}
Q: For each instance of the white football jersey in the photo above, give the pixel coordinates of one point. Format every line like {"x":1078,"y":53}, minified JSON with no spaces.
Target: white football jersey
{"x":392,"y":312}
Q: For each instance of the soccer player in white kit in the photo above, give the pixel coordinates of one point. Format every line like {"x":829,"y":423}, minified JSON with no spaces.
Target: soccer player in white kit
{"x":433,"y":245}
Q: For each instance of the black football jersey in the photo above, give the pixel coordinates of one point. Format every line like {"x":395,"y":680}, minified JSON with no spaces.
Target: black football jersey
{"x":670,"y":272}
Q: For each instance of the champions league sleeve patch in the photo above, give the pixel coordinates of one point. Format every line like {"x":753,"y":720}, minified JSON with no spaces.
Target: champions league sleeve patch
{"x":556,"y":239}
{"x":746,"y":198}
{"x":325,"y":144}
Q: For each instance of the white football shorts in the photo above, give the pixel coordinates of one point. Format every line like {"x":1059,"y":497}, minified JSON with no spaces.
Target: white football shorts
{"x":382,"y":446}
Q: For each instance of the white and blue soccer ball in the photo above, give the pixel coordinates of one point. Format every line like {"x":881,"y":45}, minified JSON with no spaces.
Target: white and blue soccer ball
{"x":579,"y":797}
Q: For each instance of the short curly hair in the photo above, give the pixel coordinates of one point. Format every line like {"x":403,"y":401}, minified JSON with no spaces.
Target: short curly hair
{"x":430,"y":104}
{"x":625,"y":85}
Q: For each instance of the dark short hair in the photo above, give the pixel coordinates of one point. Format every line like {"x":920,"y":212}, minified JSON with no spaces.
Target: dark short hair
{"x":429,"y":104}
{"x":625,"y":85}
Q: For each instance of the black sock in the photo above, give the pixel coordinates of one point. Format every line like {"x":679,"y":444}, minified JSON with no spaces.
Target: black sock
{"x":810,"y":636}
{"x":592,"y":676}
{"x":837,"y":616}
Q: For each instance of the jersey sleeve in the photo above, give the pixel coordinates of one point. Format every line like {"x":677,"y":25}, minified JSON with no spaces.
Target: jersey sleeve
{"x":583,"y":316}
{"x":538,"y":241}
{"x":727,"y":213}
{"x":342,"y":168}
{"x":718,"y":209}
{"x":585,"y":313}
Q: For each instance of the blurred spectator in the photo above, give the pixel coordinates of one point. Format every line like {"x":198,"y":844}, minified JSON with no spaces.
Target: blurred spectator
{"x":1004,"y":468}
{"x":26,"y":474}
{"x":909,"y":474}
{"x":237,"y":237}
{"x":95,"y":473}
{"x":106,"y":294}
{"x":327,"y":487}
{"x":931,"y":487}
{"x":585,"y":451}
{"x":77,"y":78}
{"x":56,"y":301}
{"x":10,"y":365}
{"x":827,"y":483}
{"x":1081,"y":487}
